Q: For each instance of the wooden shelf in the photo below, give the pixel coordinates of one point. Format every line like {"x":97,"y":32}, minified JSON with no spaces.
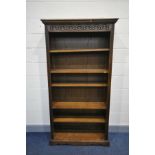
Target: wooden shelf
{"x":79,"y":50}
{"x":79,"y":120}
{"x":78,"y":137}
{"x":79,"y":85}
{"x":79,"y":105}
{"x":77,"y":71}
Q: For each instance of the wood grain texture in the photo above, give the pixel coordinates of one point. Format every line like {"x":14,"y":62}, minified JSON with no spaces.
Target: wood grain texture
{"x":78,"y":85}
{"x":79,"y":71}
{"x":79,"y":105}
{"x":80,"y":143}
{"x":79,"y":50}
{"x":79,"y":78}
{"x":79,"y":136}
{"x":103,"y":20}
{"x":79,"y":120}
{"x":74,"y":40}
{"x":79,"y":94}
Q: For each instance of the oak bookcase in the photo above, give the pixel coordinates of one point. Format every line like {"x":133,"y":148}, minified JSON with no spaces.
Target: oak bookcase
{"x":79,"y":66}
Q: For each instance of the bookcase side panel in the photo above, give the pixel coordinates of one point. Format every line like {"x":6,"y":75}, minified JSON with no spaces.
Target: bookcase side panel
{"x":49,"y":81}
{"x":109,"y":79}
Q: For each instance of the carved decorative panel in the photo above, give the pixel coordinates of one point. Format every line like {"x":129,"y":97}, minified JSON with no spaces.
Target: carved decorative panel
{"x":79,"y":27}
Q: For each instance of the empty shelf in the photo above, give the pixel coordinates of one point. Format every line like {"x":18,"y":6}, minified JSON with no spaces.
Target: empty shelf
{"x":79,"y":105}
{"x":79,"y":85}
{"x":79,"y":71}
{"x":79,"y":137}
{"x":78,"y":120}
{"x":79,"y":50}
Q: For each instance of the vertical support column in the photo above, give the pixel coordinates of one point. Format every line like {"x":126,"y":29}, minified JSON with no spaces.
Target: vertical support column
{"x":49,"y":81}
{"x":109,"y":80}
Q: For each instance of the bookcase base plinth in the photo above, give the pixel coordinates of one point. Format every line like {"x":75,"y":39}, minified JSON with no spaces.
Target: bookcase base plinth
{"x":77,"y":138}
{"x":102,"y":143}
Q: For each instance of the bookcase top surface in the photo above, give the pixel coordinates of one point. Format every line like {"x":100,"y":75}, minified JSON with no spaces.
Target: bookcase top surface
{"x":95,"y":20}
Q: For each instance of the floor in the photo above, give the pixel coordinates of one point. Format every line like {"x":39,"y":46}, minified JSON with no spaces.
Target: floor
{"x":38,"y":144}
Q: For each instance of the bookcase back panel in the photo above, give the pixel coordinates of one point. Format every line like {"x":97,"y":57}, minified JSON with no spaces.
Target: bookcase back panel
{"x":78,"y":113}
{"x":79,"y":78}
{"x":77,"y":127}
{"x":80,"y":60}
{"x":74,"y":40}
{"x":77,"y":94}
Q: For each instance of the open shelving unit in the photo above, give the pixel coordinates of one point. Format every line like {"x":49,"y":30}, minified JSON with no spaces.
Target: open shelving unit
{"x":79,"y":66}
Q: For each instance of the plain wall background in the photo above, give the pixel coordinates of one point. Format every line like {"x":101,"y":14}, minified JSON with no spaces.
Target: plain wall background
{"x":37,"y":92}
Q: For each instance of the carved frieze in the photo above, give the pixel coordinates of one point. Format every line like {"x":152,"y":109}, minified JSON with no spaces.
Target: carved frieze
{"x":79,"y":27}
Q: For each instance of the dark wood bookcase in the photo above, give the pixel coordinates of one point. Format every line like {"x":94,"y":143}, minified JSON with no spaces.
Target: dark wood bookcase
{"x":79,"y":66}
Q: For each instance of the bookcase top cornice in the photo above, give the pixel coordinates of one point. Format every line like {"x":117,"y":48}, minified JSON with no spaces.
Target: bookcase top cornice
{"x":95,"y":20}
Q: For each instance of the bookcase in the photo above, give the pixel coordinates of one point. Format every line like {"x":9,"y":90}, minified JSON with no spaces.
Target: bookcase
{"x":79,"y":66}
